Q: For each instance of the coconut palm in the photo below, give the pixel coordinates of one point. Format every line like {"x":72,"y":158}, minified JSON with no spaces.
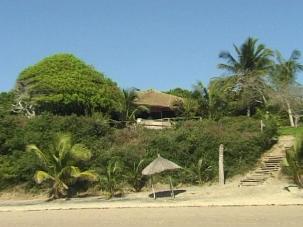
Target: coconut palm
{"x":130,"y":109}
{"x":283,"y":81}
{"x":200,"y":171}
{"x":201,"y":94}
{"x":223,"y":100}
{"x":252,"y":61}
{"x":251,"y":57}
{"x":285,"y":71}
{"x":111,"y":180}
{"x":135,"y":178}
{"x":188,"y":108}
{"x":58,"y":165}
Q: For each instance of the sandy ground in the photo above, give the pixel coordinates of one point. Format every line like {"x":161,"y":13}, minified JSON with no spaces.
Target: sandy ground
{"x":272,"y":192}
{"x":272,"y":216}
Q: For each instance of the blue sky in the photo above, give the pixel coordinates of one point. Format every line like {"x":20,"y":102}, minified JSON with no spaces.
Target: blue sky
{"x":158,"y":44}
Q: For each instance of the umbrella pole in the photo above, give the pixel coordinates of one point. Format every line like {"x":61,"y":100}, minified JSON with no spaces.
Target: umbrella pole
{"x":152,"y":185}
{"x":171,"y":188}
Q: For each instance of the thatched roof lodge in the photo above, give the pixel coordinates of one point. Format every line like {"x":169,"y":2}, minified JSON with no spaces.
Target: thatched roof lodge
{"x":161,"y":105}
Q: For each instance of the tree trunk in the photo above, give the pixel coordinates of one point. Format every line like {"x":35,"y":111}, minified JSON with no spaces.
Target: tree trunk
{"x":248,"y":113}
{"x":297,"y":119}
{"x":291,"y":118}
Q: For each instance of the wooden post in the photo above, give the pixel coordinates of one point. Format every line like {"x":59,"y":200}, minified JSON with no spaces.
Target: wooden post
{"x":221,"y":164}
{"x":171,"y":188}
{"x":152,"y":185}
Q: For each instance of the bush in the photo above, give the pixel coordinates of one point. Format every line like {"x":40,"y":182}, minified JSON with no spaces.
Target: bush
{"x":185,"y":145}
{"x":17,"y":167}
{"x":195,"y":140}
{"x":64,"y":85}
{"x":294,"y":161}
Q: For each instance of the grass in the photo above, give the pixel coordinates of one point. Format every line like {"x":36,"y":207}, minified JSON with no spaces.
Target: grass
{"x":290,"y":131}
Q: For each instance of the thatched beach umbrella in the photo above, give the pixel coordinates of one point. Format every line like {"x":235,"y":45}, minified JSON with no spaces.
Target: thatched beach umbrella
{"x":157,"y":166}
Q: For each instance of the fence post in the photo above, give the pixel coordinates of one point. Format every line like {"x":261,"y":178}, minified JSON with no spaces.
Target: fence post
{"x":221,"y":164}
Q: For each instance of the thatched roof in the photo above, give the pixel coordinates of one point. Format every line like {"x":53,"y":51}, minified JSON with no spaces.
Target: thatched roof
{"x":156,"y":98}
{"x":159,"y":165}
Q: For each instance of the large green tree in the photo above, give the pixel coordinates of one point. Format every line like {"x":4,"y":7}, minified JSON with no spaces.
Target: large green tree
{"x":6,"y":102}
{"x":222,"y":101}
{"x":286,"y":92}
{"x":180,"y":92}
{"x":64,"y":84}
{"x":201,"y":94}
{"x":195,"y":102}
{"x":129,"y":108}
{"x":246,"y":71}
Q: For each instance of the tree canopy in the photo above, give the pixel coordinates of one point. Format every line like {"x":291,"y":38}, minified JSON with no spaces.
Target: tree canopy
{"x":64,"y":84}
{"x":6,"y":101}
{"x":245,"y":70}
{"x":286,"y":92}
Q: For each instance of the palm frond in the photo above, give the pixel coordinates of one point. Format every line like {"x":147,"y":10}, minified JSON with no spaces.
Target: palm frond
{"x":237,"y":49}
{"x":63,"y":145}
{"x":80,"y":152}
{"x":285,"y":72}
{"x":226,"y":67}
{"x":138,"y":167}
{"x":228,"y":57}
{"x":69,"y":171}
{"x":88,"y":175}
{"x":295,"y":55}
{"x":43,"y":157}
{"x":41,"y":176}
{"x":279,"y":57}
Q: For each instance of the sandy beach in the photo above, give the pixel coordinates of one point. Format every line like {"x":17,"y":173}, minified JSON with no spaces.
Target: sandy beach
{"x":277,"y":190}
{"x":271,"y":216}
{"x":276,"y":202}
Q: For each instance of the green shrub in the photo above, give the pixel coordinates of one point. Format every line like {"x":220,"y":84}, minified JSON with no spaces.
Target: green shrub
{"x":185,"y":145}
{"x":63,"y":84}
{"x":17,"y":167}
{"x":192,"y":140}
{"x":294,"y":161}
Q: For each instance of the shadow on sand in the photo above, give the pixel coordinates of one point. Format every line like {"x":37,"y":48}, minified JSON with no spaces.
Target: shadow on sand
{"x":163,"y":194}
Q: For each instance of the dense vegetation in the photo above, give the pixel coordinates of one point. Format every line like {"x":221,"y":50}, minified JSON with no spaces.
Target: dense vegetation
{"x":185,"y":145}
{"x":68,"y":125}
{"x":63,"y":84}
{"x":293,"y":165}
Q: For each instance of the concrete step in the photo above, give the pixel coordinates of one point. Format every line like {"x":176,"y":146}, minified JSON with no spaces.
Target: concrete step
{"x":268,"y":166}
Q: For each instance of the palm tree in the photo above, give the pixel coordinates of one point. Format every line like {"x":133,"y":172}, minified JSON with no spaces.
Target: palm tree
{"x":222,"y":100}
{"x":130,"y":109}
{"x":58,"y":165}
{"x":135,"y":177}
{"x":252,"y":61}
{"x":111,"y":180}
{"x":200,"y":171}
{"x":283,"y":79}
{"x":201,"y":94}
{"x":285,"y":71}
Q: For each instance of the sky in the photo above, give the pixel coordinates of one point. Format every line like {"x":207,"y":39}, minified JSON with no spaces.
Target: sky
{"x":158,"y":44}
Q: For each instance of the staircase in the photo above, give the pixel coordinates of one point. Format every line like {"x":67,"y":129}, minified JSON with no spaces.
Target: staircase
{"x":270,"y":165}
